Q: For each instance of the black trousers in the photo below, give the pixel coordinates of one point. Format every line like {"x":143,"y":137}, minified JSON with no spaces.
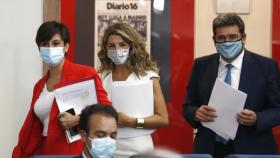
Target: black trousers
{"x":222,"y":150}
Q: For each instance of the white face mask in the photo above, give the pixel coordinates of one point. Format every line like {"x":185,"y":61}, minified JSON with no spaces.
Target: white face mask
{"x":52,"y":55}
{"x":102,"y":147}
{"x":118,"y":56}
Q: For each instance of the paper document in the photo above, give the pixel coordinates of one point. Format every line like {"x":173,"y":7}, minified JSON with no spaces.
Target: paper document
{"x":135,"y":99}
{"x":75,"y":97}
{"x":228,"y":102}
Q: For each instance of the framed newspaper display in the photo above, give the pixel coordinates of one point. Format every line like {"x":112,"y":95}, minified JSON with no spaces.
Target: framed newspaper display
{"x":137,"y":13}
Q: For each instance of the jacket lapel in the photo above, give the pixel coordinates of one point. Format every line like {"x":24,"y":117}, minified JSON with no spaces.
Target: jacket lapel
{"x":210,"y":75}
{"x":247,"y":71}
{"x":66,"y":71}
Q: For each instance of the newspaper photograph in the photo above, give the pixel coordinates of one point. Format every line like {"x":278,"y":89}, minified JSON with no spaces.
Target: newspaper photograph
{"x":137,"y":13}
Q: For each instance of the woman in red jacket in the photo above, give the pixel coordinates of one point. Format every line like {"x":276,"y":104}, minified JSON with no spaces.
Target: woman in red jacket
{"x":43,"y":131}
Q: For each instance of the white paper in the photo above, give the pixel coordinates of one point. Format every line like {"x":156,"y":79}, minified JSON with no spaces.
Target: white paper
{"x":135,"y":99}
{"x":236,"y":6}
{"x":228,"y":102}
{"x":76,"y":96}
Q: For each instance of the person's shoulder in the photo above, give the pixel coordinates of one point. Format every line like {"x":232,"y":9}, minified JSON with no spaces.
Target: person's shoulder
{"x":40,"y":82}
{"x":151,"y":74}
{"x":79,"y":69}
{"x":148,"y":75}
{"x":105,"y":74}
{"x":259,"y":58}
{"x":206,"y":61}
{"x":207,"y":58}
{"x":84,"y":68}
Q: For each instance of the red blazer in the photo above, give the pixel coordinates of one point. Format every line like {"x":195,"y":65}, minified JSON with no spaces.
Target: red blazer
{"x":31,"y":140}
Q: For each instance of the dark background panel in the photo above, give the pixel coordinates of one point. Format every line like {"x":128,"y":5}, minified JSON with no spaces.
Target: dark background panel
{"x":85,"y":32}
{"x":160,"y":45}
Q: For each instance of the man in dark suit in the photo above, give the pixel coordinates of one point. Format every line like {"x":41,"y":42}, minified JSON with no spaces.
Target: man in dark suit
{"x":98,"y":129}
{"x":255,"y":75}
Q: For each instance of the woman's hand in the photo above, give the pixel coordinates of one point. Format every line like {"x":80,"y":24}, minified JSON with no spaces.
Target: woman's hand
{"x":126,"y":121}
{"x":160,"y":117}
{"x":68,"y":120}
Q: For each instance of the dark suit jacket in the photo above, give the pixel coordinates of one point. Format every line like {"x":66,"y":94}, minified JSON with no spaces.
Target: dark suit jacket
{"x":260,"y":79}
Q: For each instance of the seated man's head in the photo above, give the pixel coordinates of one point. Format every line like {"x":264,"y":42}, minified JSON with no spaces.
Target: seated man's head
{"x":98,"y":125}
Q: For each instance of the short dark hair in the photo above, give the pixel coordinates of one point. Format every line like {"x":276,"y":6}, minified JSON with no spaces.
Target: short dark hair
{"x":48,"y":29}
{"x":87,"y":112}
{"x":227,"y":20}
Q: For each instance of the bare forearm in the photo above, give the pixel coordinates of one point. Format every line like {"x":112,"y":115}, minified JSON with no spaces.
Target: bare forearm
{"x":156,"y":121}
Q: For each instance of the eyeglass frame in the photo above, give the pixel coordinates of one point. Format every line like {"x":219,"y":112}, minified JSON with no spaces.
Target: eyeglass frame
{"x":229,"y":38}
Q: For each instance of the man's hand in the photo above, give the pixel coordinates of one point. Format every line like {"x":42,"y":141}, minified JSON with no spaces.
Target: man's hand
{"x":205,"y":114}
{"x":247,"y":117}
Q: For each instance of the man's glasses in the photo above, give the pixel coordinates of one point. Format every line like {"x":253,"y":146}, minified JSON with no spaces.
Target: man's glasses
{"x":227,"y":38}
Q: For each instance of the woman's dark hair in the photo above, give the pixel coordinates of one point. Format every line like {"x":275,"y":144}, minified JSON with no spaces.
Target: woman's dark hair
{"x":227,"y":20}
{"x":87,"y":112}
{"x":48,"y":29}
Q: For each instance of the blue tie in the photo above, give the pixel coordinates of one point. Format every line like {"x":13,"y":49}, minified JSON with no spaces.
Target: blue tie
{"x":228,"y":76}
{"x":228,"y":81}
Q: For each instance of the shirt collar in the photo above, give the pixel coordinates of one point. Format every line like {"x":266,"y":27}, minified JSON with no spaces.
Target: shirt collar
{"x":237,"y":63}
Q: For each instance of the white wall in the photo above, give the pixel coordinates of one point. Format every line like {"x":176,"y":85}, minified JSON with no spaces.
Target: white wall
{"x":20,"y":66}
{"x":257,"y":27}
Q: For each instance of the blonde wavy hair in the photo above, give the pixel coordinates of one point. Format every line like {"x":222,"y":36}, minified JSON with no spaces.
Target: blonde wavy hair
{"x":138,"y":61}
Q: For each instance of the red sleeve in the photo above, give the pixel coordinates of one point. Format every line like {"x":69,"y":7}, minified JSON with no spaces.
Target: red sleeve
{"x":101,"y":93}
{"x":30,"y":134}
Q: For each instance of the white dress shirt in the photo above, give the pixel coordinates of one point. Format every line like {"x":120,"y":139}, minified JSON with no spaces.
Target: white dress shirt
{"x":235,"y":71}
